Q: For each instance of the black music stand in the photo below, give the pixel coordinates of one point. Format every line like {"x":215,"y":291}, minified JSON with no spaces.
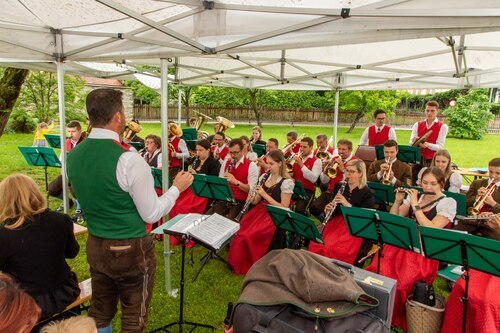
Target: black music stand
{"x":53,"y":140}
{"x":463,"y":249}
{"x":294,"y":222}
{"x":183,"y":239}
{"x":215,"y":188}
{"x":384,"y":194}
{"x":41,"y":156}
{"x":259,"y":149}
{"x":382,"y":228}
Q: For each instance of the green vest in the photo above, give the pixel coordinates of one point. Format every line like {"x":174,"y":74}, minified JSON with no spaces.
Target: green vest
{"x":109,"y":211}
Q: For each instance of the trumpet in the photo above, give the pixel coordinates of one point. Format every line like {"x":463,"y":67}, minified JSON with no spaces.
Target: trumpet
{"x":385,"y":178}
{"x":331,"y":168}
{"x":290,"y":161}
{"x":330,"y":212}
{"x":323,"y":155}
{"x":292,"y":145}
{"x":479,"y":202}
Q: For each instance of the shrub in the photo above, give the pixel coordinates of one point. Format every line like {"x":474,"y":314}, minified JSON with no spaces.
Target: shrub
{"x":22,"y":122}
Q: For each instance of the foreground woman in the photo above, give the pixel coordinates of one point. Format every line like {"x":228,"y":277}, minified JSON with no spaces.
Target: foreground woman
{"x":253,"y":239}
{"x":338,"y":243}
{"x":432,"y":209}
{"x":35,"y":243}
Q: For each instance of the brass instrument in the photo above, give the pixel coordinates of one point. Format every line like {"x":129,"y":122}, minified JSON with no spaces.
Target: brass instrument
{"x":174,"y":130}
{"x":292,"y":145}
{"x":422,"y":139}
{"x":479,"y":202}
{"x":290,"y":161}
{"x":331,"y":168}
{"x":330,"y":212}
{"x":200,"y":120}
{"x":387,"y":174}
{"x":252,"y":195}
{"x":323,"y":155}
{"x":131,"y":130}
{"x":224,"y":124}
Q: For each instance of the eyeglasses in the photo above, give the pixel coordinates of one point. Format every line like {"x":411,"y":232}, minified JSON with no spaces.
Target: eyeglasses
{"x":351,"y":171}
{"x":234,"y":152}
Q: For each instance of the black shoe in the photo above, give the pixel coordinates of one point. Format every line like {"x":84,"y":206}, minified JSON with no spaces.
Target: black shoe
{"x":60,"y":209}
{"x":78,"y":217}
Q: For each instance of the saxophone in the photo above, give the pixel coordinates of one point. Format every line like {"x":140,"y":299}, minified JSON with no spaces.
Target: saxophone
{"x":330,"y":212}
{"x":252,"y":195}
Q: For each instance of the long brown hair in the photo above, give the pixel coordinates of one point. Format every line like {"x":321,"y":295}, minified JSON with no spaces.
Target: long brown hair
{"x":445,"y":153}
{"x":20,"y":199}
{"x":277,"y":156}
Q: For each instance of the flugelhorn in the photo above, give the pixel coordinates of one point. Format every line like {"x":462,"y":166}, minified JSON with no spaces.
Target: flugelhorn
{"x":324,"y":155}
{"x":387,"y":174}
{"x":331,"y":168}
{"x":479,"y":202}
{"x":292,"y":145}
{"x":290,"y":161}
{"x":131,"y":129}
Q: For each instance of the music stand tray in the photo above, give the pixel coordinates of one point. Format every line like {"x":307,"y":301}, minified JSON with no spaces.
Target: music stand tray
{"x":53,"y":140}
{"x":189,"y":133}
{"x":409,"y":154}
{"x":384,"y":194}
{"x":294,"y":222}
{"x":299,"y":192}
{"x":259,"y":149}
{"x":137,"y":145}
{"x":157,"y":176}
{"x":212,"y":187}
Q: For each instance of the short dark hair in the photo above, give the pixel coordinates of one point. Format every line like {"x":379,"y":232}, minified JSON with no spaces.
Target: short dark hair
{"x":156,"y":139}
{"x":309,"y":141}
{"x":292,"y":134}
{"x":321,"y":136}
{"x":345,"y":142}
{"x":235,"y":142}
{"x":203,"y":143}
{"x":221,"y":134}
{"x":102,"y":104}
{"x":437,"y":173}
{"x":391,"y":143}
{"x":274,"y":140}
{"x":377,"y":112}
{"x":494,"y":162}
{"x":432,"y":104}
{"x":74,"y":124}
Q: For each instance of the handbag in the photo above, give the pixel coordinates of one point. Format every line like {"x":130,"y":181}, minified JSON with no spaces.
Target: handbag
{"x":422,"y":318}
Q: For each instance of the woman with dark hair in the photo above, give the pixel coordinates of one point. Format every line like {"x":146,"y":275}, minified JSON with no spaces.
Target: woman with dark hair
{"x":152,"y":151}
{"x":431,"y":209}
{"x":338,"y":243}
{"x":19,"y":312}
{"x":35,"y":243}
{"x":256,"y":232}
{"x":452,"y":180}
{"x":257,"y":136}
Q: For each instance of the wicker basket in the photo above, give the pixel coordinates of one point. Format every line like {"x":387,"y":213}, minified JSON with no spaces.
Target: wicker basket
{"x":421,"y":318}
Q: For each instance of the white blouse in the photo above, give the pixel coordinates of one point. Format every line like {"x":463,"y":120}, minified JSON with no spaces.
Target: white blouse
{"x":455,"y":181}
{"x":446,"y":207}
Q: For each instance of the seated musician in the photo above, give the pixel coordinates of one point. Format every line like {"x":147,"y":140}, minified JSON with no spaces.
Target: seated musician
{"x":247,"y":149}
{"x":255,"y":236}
{"x":338,"y":243}
{"x":483,"y":300}
{"x":345,"y":155}
{"x":323,"y":146}
{"x":430,"y":209}
{"x":291,"y":148}
{"x":152,"y":151}
{"x":306,"y":169}
{"x":271,"y":145}
{"x":219,"y":148}
{"x":486,"y":190}
{"x":257,"y":136}
{"x":390,"y":169}
{"x":178,"y":153}
{"x":35,"y":243}
{"x":442,"y":160}
{"x":379,"y":132}
{"x":242,"y":176}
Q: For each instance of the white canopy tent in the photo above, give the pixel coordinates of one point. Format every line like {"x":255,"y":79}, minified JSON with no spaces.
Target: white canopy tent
{"x":267,"y":44}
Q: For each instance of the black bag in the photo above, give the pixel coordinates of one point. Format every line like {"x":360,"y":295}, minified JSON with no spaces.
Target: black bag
{"x":424,"y":294}
{"x":289,"y":319}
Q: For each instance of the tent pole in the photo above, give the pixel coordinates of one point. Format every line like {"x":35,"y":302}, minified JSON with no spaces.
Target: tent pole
{"x":179,"y":93}
{"x":164,"y":156}
{"x":336,"y":116}
{"x":62,"y":119}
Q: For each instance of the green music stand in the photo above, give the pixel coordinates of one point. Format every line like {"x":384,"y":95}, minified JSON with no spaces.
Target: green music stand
{"x":41,"y":156}
{"x":212,"y":187}
{"x":299,"y":192}
{"x":384,"y":194}
{"x":53,"y":140}
{"x":157,"y":176}
{"x":379,"y":152}
{"x":259,"y":149}
{"x":137,"y":145}
{"x":461,"y":200}
{"x":191,"y":144}
{"x":189,"y":133}
{"x":382,"y":228}
{"x":407,"y":154}
{"x":463,"y":249}
{"x":294,"y":222}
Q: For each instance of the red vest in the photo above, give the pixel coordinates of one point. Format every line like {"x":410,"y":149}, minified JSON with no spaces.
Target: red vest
{"x":295,"y":150}
{"x":432,"y":138}
{"x":69,"y":146}
{"x":380,"y":138}
{"x":241,"y":174}
{"x":340,"y":175}
{"x":330,"y":150}
{"x":223,"y":153}
{"x":298,"y":176}
{"x":261,"y":168}
{"x":174,"y":161}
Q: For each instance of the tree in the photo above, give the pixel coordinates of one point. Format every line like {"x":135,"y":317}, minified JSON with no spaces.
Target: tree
{"x":252,"y":94}
{"x":186,"y":95}
{"x":10,"y":88}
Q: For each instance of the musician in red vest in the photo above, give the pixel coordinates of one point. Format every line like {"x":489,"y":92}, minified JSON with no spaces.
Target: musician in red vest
{"x":322,"y":145}
{"x":306,"y":170}
{"x":291,"y":137}
{"x":272,"y":144}
{"x":242,"y":176}
{"x":219,"y":148}
{"x":379,"y":132}
{"x":345,"y":155}
{"x":178,"y":151}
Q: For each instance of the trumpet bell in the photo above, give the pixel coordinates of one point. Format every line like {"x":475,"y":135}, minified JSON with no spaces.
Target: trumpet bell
{"x":201,"y":118}
{"x":203,"y":135}
{"x":386,"y":182}
{"x":323,"y":156}
{"x":331,"y":172}
{"x":175,"y":129}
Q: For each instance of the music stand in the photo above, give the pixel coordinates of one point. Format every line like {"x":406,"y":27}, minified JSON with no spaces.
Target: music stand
{"x":382,"y":228}
{"x":53,"y":140}
{"x":259,"y":149}
{"x":379,"y":152}
{"x":463,"y":249}
{"x":183,"y":239}
{"x":137,"y":145}
{"x":384,"y":194}
{"x":191,"y":144}
{"x":216,"y":188}
{"x":189,"y":134}
{"x":299,"y":192}
{"x":41,"y":156}
{"x":461,"y":200}
{"x":409,"y":154}
{"x":294,"y":222}
{"x":157,"y":176}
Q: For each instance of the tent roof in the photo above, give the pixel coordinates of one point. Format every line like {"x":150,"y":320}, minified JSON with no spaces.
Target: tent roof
{"x":272,"y":44}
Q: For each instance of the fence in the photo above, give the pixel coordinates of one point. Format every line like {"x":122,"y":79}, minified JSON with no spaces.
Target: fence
{"x":400,"y":118}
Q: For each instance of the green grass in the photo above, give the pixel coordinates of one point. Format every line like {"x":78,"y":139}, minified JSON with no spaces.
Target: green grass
{"x":207,"y":298}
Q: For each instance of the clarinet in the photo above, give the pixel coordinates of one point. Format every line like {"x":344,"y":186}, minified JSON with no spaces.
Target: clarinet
{"x":251,"y":196}
{"x":330,"y":212}
{"x":195,"y":164}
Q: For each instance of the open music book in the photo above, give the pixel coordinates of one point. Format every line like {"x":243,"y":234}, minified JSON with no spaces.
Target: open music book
{"x":212,"y":230}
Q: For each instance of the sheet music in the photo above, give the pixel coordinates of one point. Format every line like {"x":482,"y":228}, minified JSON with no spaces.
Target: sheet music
{"x":187,"y":222}
{"x":214,"y":230}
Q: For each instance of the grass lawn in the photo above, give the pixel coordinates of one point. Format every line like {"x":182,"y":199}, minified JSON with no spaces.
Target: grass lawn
{"x":207,"y":298}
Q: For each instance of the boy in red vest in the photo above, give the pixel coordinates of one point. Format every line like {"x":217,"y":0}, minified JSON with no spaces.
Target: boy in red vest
{"x":306,"y":170}
{"x":291,"y":137}
{"x":242,"y":176}
{"x":178,"y":154}
{"x":379,"y":132}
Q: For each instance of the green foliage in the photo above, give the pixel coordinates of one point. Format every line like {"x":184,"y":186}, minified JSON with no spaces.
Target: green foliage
{"x":495,"y":108}
{"x":470,"y":117}
{"x":417,"y":102}
{"x":367,"y":101}
{"x":22,"y":122}
{"x":146,"y":95}
{"x":220,"y":96}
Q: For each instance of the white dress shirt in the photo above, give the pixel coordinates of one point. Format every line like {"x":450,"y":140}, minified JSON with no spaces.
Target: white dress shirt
{"x":183,"y":148}
{"x":364,"y":137}
{"x":253,"y":172}
{"x":440,"y":139}
{"x":313,"y":174}
{"x":134,"y":176}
